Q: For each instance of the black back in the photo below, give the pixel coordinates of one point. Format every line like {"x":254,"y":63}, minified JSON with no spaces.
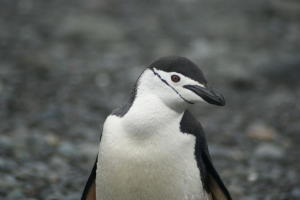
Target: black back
{"x":180,"y":65}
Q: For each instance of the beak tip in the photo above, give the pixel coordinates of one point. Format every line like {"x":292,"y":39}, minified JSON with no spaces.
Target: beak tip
{"x":208,"y":95}
{"x":222,"y":100}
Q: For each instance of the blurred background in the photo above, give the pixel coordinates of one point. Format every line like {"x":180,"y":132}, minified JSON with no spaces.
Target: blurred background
{"x":64,"y":65}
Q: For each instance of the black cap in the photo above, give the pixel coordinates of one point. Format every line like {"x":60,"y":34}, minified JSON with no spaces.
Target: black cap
{"x":180,"y":65}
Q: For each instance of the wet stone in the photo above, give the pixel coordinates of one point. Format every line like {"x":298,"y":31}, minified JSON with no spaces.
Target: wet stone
{"x":261,"y":131}
{"x":15,"y":194}
{"x":269,"y":151}
{"x":67,"y":149}
{"x":296,"y":192}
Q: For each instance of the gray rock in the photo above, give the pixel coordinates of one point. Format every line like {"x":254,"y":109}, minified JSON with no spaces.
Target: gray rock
{"x":296,"y":192}
{"x":261,"y":131}
{"x":5,"y":142}
{"x":269,"y":151}
{"x":8,"y":181}
{"x":67,"y":149}
{"x":15,"y":194}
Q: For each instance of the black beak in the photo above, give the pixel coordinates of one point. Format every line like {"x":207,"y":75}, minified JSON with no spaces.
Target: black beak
{"x":207,"y":94}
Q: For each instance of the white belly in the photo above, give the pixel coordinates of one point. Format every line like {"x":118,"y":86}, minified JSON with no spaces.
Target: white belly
{"x":159,"y":167}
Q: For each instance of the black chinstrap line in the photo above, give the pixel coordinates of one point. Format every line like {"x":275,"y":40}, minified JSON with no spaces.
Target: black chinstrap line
{"x":164,"y":81}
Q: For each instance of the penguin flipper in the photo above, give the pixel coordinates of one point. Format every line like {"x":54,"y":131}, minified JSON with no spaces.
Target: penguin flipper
{"x":211,"y":180}
{"x":89,"y":192}
{"x":214,"y":183}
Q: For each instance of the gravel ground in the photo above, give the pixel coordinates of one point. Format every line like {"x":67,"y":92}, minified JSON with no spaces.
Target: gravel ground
{"x":64,"y":65}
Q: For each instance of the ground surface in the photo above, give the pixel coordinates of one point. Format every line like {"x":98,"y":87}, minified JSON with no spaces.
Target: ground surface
{"x":64,"y":65}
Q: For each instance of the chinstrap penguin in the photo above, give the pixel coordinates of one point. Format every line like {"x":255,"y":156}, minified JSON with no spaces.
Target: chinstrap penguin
{"x":152,"y":148}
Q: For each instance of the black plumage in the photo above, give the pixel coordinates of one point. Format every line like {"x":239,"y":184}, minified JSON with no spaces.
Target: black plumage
{"x":180,"y":65}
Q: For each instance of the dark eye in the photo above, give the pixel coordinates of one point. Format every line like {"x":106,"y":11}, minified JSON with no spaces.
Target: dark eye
{"x":175,"y":78}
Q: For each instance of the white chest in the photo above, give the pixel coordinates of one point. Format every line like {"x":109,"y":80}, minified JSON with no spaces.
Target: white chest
{"x":151,"y":166}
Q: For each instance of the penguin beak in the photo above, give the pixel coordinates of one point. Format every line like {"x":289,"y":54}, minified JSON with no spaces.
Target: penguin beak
{"x":207,"y":94}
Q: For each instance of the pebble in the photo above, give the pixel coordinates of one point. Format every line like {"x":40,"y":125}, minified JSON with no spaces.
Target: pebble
{"x":6,"y":164}
{"x":252,"y":176}
{"x":217,"y":150}
{"x":52,"y":140}
{"x":8,"y":181}
{"x":269,"y":151}
{"x":5,"y":142}
{"x":261,"y":131}
{"x":67,"y":149}
{"x":88,"y":150}
{"x":296,"y":192}
{"x":15,"y":194}
{"x":58,"y":162}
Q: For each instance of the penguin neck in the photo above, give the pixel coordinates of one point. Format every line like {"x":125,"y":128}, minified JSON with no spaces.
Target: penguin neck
{"x":152,"y":108}
{"x":149,"y":113}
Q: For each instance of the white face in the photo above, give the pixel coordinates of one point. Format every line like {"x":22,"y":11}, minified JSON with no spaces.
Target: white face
{"x":169,"y":86}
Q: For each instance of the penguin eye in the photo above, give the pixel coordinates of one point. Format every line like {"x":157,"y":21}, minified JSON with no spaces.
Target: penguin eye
{"x":175,"y":78}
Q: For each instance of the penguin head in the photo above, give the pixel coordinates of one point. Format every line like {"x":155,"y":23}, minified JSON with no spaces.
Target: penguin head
{"x":177,"y":80}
